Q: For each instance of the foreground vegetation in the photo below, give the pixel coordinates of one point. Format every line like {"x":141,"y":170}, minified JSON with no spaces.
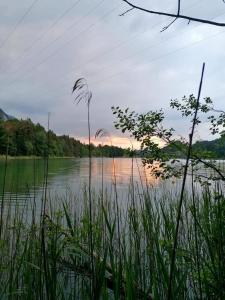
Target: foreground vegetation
{"x":46,"y":251}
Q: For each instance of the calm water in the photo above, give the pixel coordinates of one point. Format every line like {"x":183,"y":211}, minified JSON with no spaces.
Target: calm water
{"x":25,"y":177}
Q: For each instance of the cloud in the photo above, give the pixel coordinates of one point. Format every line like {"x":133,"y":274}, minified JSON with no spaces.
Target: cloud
{"x":126,"y":60}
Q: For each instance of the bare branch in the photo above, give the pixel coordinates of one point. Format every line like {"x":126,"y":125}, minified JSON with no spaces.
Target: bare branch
{"x":217,"y":110}
{"x":212,"y":166}
{"x":178,"y":9}
{"x":166,"y":27}
{"x":188,"y":157}
{"x":177,"y":16}
{"x":127,"y":11}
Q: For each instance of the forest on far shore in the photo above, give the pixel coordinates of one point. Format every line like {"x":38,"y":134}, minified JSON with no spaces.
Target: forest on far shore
{"x":24,"y":138}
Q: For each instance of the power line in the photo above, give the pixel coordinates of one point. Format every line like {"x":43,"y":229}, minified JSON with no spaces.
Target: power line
{"x":47,"y":31}
{"x":164,"y":55}
{"x":76,"y":22}
{"x":18,"y":24}
{"x":137,"y":53}
{"x":159,"y":57}
{"x":155,"y":59}
{"x":105,"y":53}
{"x":57,"y":21}
{"x":62,"y":47}
{"x":123,"y":43}
{"x":109,"y":51}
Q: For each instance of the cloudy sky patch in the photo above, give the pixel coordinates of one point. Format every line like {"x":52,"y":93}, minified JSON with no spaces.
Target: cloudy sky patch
{"x":127,"y":60}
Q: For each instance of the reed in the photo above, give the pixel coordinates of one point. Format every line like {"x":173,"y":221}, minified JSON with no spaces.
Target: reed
{"x":134,"y":266}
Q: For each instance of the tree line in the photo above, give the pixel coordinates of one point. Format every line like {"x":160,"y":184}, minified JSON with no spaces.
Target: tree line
{"x":24,"y":138}
{"x":214,"y":149}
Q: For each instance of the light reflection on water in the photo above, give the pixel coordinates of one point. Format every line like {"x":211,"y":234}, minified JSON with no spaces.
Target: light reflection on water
{"x":25,"y":178}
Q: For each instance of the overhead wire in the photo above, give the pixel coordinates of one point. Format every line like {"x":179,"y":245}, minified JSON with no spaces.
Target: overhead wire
{"x":163,"y":55}
{"x":130,"y":39}
{"x":118,"y":73}
{"x":137,"y":53}
{"x":55,"y":52}
{"x":72,"y":25}
{"x":46,"y":32}
{"x":152,"y":60}
{"x":67,"y":10}
{"x":105,"y":53}
{"x":122,"y":43}
{"x":15,"y":28}
{"x":76,"y":22}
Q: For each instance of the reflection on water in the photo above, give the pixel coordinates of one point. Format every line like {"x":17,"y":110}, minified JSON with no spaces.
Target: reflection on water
{"x":25,"y":177}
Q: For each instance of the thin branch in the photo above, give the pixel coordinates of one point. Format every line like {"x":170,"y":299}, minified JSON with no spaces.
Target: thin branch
{"x":212,"y":166}
{"x":179,"y":210}
{"x":178,"y":16}
{"x":217,"y":110}
{"x":178,"y":9}
{"x":127,"y":11}
{"x":166,"y":27}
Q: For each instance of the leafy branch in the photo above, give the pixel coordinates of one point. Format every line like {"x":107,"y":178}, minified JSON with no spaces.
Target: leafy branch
{"x":146,"y":127}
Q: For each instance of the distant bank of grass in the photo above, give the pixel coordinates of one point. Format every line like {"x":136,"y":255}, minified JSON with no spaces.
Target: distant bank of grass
{"x":46,"y":254}
{"x":2,"y":157}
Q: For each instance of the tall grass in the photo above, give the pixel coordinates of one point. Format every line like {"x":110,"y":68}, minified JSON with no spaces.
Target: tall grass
{"x":133,"y":263}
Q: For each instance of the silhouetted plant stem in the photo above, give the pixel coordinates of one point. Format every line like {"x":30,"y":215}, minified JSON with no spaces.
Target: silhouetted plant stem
{"x":194,"y":122}
{"x":196,"y":233}
{"x":81,"y":88}
{"x":89,"y":197}
{"x":46,"y":272}
{"x":46,"y":169}
{"x":3,"y":188}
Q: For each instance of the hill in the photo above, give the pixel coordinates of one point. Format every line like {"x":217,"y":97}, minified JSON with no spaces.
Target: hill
{"x":4,"y":116}
{"x":24,"y":138}
{"x":214,"y":149}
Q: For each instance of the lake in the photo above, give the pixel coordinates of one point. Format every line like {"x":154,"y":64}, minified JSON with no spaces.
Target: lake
{"x":25,"y":177}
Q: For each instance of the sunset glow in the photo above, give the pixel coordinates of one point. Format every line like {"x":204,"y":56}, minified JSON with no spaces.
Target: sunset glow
{"x":118,"y":141}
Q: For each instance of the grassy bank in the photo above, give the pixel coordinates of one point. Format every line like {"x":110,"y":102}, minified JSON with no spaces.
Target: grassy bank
{"x":47,"y":254}
{"x":2,"y":157}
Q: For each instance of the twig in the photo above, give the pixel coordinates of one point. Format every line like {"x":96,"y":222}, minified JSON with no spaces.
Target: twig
{"x":208,"y":164}
{"x":166,"y":27}
{"x":178,"y":8}
{"x":178,"y":16}
{"x":127,"y":11}
{"x":218,"y":110}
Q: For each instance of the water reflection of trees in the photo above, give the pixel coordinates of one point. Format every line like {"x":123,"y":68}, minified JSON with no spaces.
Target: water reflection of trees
{"x":24,"y":174}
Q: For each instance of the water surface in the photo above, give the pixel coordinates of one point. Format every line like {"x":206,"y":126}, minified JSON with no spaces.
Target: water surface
{"x":25,"y":178}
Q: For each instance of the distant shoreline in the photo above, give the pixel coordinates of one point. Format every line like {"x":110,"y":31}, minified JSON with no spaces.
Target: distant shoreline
{"x":3,"y":157}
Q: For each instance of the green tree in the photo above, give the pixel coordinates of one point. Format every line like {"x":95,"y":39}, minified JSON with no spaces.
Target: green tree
{"x":147,"y":126}
{"x":3,"y":138}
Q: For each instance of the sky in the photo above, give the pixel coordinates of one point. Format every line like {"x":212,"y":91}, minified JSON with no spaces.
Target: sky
{"x":46,"y":45}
